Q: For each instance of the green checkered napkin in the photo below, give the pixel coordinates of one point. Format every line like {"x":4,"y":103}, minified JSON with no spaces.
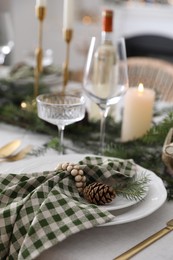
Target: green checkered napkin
{"x":39,"y":210}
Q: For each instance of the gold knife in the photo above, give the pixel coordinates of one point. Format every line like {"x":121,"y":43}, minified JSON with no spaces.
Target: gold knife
{"x":148,"y":241}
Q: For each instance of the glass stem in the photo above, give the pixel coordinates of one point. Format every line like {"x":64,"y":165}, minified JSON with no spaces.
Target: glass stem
{"x":2,"y":58}
{"x":61,"y":138}
{"x":104,"y":113}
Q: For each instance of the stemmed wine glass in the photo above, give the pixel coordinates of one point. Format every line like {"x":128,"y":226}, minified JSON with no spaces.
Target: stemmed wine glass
{"x":6,"y":36}
{"x":105,"y":78}
{"x":61,"y":110}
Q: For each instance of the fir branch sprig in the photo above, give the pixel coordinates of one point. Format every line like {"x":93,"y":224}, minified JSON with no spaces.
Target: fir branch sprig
{"x":134,"y":188}
{"x":156,"y":135}
{"x":38,"y":151}
{"x":84,"y":135}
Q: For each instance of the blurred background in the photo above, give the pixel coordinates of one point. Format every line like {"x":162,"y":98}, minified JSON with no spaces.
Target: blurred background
{"x":133,"y":19}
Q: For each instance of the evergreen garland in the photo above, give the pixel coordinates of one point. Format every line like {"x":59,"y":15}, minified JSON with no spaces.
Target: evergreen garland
{"x":84,"y":135}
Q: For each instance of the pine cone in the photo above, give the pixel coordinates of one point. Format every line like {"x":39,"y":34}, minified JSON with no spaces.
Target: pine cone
{"x":99,"y":193}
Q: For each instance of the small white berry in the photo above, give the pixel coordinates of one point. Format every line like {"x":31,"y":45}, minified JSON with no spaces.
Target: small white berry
{"x":71,"y":164}
{"x":84,"y":178}
{"x":64,"y":166}
{"x":77,"y":167}
{"x":74,"y":172}
{"x":69,"y":168}
{"x":79,"y":184}
{"x":78,"y":178}
{"x":58,"y":167}
{"x":81,"y":172}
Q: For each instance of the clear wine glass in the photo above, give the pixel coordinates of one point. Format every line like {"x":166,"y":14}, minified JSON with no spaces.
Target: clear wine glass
{"x":6,"y":36}
{"x":105,"y":78}
{"x":61,"y":110}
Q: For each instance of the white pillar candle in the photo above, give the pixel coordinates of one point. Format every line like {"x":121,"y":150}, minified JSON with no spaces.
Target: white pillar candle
{"x":41,"y":3}
{"x":138,"y":111}
{"x":68,"y":17}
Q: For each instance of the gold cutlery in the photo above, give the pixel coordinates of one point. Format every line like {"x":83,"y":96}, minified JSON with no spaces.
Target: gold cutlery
{"x":9,"y":148}
{"x":19,"y":155}
{"x":134,"y":250}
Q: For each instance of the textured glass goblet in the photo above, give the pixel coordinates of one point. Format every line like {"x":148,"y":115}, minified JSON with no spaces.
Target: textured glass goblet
{"x":61,"y":110}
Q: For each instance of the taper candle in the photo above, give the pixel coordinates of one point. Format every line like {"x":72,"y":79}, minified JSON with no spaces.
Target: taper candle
{"x":40,"y":9}
{"x":68,"y":16}
{"x":138,"y":111}
{"x":41,"y":3}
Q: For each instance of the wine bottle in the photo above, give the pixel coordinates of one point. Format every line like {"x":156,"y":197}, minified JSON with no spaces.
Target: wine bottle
{"x":104,"y":57}
{"x":107,"y":27}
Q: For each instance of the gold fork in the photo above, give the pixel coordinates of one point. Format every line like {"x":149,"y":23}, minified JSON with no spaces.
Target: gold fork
{"x":134,"y":250}
{"x":9,"y":148}
{"x":18,"y":156}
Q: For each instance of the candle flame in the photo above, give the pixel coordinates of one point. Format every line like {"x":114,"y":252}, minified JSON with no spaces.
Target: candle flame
{"x":23,"y":105}
{"x":141,"y":88}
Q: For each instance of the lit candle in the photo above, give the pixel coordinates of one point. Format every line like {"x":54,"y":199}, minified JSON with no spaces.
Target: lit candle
{"x":138,"y":111}
{"x":41,"y":3}
{"x":68,"y":17}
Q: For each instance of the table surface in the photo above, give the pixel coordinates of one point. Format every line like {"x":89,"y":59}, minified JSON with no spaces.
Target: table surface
{"x":100,"y":242}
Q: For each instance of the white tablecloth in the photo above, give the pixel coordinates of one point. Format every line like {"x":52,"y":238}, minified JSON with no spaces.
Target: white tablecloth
{"x":102,"y":243}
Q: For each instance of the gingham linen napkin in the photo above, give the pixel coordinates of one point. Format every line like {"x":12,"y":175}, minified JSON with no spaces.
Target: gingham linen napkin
{"x":39,"y":210}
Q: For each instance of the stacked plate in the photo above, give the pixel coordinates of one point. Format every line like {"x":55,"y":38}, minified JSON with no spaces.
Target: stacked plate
{"x":130,"y":210}
{"x":124,"y":210}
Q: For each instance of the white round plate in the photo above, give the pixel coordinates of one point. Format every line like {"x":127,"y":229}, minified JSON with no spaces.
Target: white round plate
{"x":155,"y":196}
{"x":120,"y":202}
{"x":50,"y":163}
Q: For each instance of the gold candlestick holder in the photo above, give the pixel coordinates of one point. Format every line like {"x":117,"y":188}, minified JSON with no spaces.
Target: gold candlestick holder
{"x":40,"y":13}
{"x":67,"y":35}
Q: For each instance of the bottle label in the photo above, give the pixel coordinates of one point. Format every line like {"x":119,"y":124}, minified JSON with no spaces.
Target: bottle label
{"x":104,"y":63}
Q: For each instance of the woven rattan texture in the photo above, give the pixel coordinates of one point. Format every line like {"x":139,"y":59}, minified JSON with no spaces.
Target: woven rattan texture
{"x":152,"y":73}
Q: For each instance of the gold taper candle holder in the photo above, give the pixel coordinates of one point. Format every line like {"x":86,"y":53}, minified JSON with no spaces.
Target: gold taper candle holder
{"x":67,"y":35}
{"x":40,"y":13}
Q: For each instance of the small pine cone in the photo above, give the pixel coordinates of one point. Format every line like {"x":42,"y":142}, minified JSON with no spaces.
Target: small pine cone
{"x":99,"y":193}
